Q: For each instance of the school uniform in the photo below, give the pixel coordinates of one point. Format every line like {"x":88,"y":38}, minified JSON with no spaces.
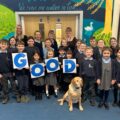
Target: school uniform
{"x":72,"y":43}
{"x":51,"y":78}
{"x":60,"y":72}
{"x":30,"y":52}
{"x":38,"y":83}
{"x":55,"y":47}
{"x":79,"y":55}
{"x":12,"y":49}
{"x":113,"y":55}
{"x":67,"y":77}
{"x":5,"y":65}
{"x":117,"y":78}
{"x":39,"y":45}
{"x":106,"y":70}
{"x":97,"y":54}
{"x":88,"y":71}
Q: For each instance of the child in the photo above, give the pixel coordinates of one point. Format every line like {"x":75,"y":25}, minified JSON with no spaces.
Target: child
{"x":4,"y":70}
{"x":77,"y":46}
{"x":105,"y":76}
{"x":22,"y":78}
{"x":38,"y":42}
{"x":54,"y":45}
{"x":117,"y":78}
{"x":93,"y":42}
{"x":98,"y":50}
{"x":51,"y":78}
{"x":88,"y":71}
{"x":12,"y":49}
{"x":113,"y":45}
{"x":67,"y":77}
{"x":61,"y":56}
{"x":38,"y":82}
{"x":30,"y":49}
{"x":79,"y":53}
{"x":64,"y":44}
{"x":48,"y":46}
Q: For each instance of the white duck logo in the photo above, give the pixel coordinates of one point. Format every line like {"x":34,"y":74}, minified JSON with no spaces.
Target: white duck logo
{"x":89,"y":29}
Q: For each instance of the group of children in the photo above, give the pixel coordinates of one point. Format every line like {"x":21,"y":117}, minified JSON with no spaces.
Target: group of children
{"x":99,"y":66}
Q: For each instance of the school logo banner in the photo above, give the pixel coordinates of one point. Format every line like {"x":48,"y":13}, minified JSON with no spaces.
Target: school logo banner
{"x":20,"y":60}
{"x":69,"y":66}
{"x":52,"y":64}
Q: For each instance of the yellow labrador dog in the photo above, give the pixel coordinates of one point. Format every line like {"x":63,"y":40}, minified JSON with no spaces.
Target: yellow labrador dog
{"x":73,"y":94}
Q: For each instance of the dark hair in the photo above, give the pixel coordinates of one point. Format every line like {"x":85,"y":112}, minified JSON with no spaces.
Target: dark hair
{"x":11,"y":38}
{"x":37,"y":31}
{"x":69,"y":51}
{"x":92,"y":38}
{"x":107,"y":49}
{"x":113,"y":38}
{"x":30,"y":37}
{"x":48,"y":39}
{"x":61,"y":48}
{"x":20,"y":43}
{"x":116,"y":51}
{"x":68,"y":29}
{"x":51,"y":32}
{"x":4,"y":41}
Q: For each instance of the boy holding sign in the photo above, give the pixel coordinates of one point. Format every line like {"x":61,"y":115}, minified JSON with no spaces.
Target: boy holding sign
{"x":20,"y":63}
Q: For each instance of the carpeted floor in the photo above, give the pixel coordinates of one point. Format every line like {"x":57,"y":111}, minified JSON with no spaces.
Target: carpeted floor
{"x":50,"y":110}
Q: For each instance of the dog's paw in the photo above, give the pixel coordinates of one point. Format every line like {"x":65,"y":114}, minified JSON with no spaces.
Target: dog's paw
{"x":81,"y":108}
{"x":70,"y":109}
{"x":60,"y":101}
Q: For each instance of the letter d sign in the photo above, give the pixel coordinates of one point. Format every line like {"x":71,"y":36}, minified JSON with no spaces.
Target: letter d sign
{"x":69,"y":66}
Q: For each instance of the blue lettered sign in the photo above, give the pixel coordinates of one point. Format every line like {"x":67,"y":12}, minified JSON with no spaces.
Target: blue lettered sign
{"x":20,"y":60}
{"x":69,"y":66}
{"x":52,"y":64}
{"x":37,"y":70}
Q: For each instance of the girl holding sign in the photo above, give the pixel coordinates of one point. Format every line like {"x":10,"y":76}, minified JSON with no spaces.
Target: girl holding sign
{"x":51,"y":78}
{"x":38,"y":82}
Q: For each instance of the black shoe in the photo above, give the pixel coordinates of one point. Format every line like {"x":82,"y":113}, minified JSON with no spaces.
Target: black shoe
{"x":56,"y":96}
{"x":106,"y":106}
{"x":40,"y":97}
{"x":100,"y":105}
{"x":18,"y":98}
{"x":48,"y":96}
{"x":118,"y":104}
{"x":92,"y":103}
{"x":114,"y":104}
{"x":36,"y":97}
{"x":5,"y":100}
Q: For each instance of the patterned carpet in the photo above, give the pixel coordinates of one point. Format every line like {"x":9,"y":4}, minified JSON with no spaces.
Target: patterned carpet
{"x":49,"y":109}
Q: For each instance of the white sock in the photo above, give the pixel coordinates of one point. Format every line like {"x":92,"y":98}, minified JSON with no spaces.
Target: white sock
{"x":56,"y":91}
{"x":47,"y":93}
